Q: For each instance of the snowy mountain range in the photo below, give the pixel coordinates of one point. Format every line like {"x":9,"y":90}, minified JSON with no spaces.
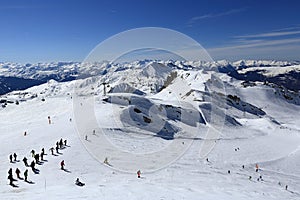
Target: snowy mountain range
{"x":194,"y":129}
{"x":21,"y":76}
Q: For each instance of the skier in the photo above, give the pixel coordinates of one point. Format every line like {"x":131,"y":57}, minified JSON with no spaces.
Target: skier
{"x":37,"y":158}
{"x":32,"y":153}
{"x":228,"y":171}
{"x":250,"y":177}
{"x":32,"y":165}
{"x":49,"y":120}
{"x":43,"y":151}
{"x":15,"y":157}
{"x":56,"y":148}
{"x":139,"y":173}
{"x":286,"y":187}
{"x":10,"y":171}
{"x":18,"y":173}
{"x":52,"y":150}
{"x":25,"y":133}
{"x":25,"y":161}
{"x":243,"y":166}
{"x":42,"y":156}
{"x":62,"y":164}
{"x":256,"y":167}
{"x":105,"y":161}
{"x":26,"y":175}
{"x":10,"y":176}
{"x":86,"y":137}
{"x":79,"y":183}
{"x":10,"y":158}
{"x":61,"y":143}
{"x":65,"y":142}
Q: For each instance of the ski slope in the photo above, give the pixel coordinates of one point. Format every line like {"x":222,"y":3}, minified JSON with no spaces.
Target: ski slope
{"x":275,"y":147}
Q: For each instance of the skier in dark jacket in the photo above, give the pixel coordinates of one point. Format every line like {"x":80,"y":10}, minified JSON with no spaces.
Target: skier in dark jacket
{"x":18,"y":173}
{"x":15,"y":157}
{"x":62,"y":164}
{"x":25,"y":161}
{"x":10,"y":176}
{"x":26,"y":175}
{"x":37,"y":158}
{"x":10,"y":171}
{"x":42,"y":156}
{"x":52,"y":150}
{"x":56,"y":148}
{"x":60,"y":143}
{"x":10,"y":158}
{"x":32,"y":165}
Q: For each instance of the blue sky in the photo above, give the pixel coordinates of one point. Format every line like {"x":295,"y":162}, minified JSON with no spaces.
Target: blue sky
{"x":66,"y":30}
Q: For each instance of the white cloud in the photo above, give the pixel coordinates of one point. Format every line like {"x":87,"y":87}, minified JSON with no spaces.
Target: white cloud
{"x":270,"y":34}
{"x":213,"y":15}
{"x":282,"y":49}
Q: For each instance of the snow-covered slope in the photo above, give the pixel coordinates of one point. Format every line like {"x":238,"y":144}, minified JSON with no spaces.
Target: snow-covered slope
{"x":161,"y":118}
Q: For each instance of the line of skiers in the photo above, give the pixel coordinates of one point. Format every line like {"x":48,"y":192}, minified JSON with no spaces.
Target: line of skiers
{"x":59,"y":145}
{"x":18,"y":172}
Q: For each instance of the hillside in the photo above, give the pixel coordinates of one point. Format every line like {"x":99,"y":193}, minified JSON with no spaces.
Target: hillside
{"x":189,"y":128}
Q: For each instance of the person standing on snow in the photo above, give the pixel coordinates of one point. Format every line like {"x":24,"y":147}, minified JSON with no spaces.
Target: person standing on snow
{"x":32,"y":165}
{"x":256,"y":167}
{"x":18,"y":173}
{"x":52,"y":150}
{"x":56,"y":148}
{"x":42,"y":156}
{"x":32,"y":153}
{"x":10,"y":176}
{"x":26,"y":175}
{"x":10,"y":171}
{"x":62,"y":164}
{"x":15,"y":157}
{"x":139,"y":173}
{"x":60,"y":143}
{"x":10,"y":158}
{"x":37,"y":158}
{"x":25,"y":162}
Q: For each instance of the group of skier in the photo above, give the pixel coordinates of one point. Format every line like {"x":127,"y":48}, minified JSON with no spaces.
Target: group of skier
{"x":257,"y":169}
{"x":38,"y":158}
{"x":13,"y":158}
{"x":18,"y":172}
